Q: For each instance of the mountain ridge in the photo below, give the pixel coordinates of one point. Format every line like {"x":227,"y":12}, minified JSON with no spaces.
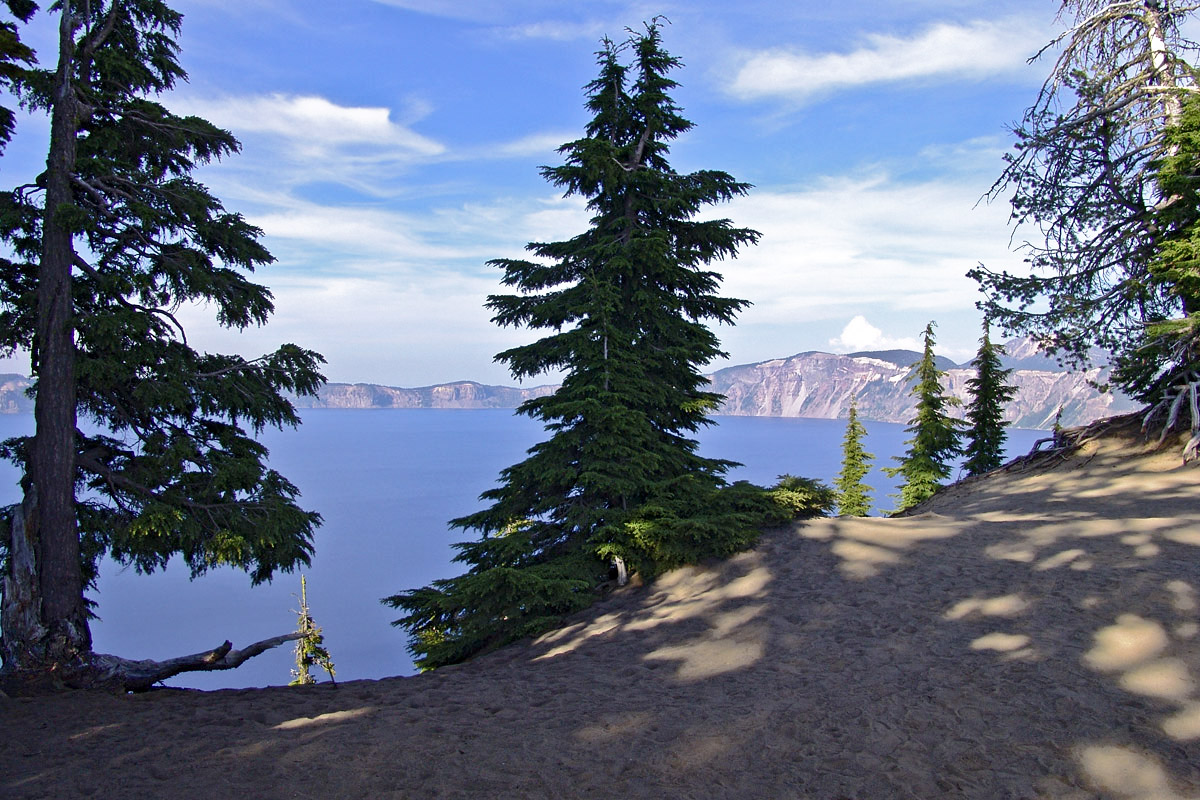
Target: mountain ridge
{"x":811,"y":384}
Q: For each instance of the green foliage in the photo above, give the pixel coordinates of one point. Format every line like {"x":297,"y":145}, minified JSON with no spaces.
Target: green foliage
{"x":509,"y":591}
{"x":1165,"y":363}
{"x":626,"y":305}
{"x":13,"y":54}
{"x":985,"y":410}
{"x":935,"y":435}
{"x":177,"y":471}
{"x":854,"y":497}
{"x":1082,"y":179}
{"x":801,"y":498}
{"x":310,"y":647}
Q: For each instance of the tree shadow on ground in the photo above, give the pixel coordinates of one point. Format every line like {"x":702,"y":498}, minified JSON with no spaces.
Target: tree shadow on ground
{"x":1033,"y":638}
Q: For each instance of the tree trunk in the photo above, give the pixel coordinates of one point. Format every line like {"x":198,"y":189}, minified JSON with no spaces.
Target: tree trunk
{"x":1157,"y":45}
{"x":20,"y":616}
{"x":54,"y":637}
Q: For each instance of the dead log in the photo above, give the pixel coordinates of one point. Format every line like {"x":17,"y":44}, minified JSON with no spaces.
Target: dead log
{"x":129,"y":675}
{"x":104,"y":672}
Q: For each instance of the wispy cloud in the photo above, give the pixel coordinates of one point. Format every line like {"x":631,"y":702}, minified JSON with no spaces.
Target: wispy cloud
{"x":875,"y":244}
{"x":387,"y":294}
{"x":853,"y":242}
{"x":311,"y":138}
{"x":537,"y":19}
{"x":536,"y":144}
{"x":889,"y":248}
{"x":558,"y":30}
{"x":942,"y":51}
{"x":473,"y":10}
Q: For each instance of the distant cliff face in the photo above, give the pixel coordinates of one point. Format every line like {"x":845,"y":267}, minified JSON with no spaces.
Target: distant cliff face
{"x":464,"y":394}
{"x":13,"y":397}
{"x":822,"y":385}
{"x":805,"y":385}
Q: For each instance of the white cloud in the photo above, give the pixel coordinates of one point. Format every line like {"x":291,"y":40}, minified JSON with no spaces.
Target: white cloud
{"x":861,"y":335}
{"x":389,"y":296}
{"x":378,"y":239}
{"x":474,"y":10}
{"x":308,"y":118}
{"x":941,"y":52}
{"x":557,"y":30}
{"x":893,"y":250}
{"x":311,"y":138}
{"x":536,"y":144}
{"x":378,"y":288}
{"x":849,"y":243}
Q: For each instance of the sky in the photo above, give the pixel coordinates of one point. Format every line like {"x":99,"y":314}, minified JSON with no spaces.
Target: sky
{"x":390,"y":148}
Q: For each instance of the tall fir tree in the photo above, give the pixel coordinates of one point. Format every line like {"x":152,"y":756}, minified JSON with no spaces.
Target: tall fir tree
{"x":109,"y":241}
{"x":853,"y":496}
{"x":1162,"y":368}
{"x":935,"y":435}
{"x":989,"y":392}
{"x":619,"y":481}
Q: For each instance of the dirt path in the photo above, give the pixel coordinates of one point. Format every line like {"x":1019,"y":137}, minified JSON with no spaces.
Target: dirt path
{"x":1032,"y":635}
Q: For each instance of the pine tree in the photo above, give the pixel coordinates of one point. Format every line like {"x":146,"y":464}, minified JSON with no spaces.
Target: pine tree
{"x":989,"y":392}
{"x":110,"y":240}
{"x":853,"y":497}
{"x":1082,"y":178}
{"x":1162,"y":369}
{"x":935,"y":435}
{"x":15,"y":56}
{"x":619,"y":481}
{"x":310,"y":646}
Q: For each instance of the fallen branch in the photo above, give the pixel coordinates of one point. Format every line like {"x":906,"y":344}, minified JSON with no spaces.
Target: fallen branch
{"x":124,"y":674}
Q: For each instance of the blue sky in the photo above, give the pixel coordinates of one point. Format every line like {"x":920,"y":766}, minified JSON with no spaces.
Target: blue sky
{"x":391,"y":147}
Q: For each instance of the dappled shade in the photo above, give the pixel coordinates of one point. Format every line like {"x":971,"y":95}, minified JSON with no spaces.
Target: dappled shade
{"x":858,"y":658}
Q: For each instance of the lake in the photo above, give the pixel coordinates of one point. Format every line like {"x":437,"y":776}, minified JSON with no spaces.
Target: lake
{"x":386,"y":482}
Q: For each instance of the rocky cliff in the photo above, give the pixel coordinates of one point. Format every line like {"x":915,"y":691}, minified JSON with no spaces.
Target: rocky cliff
{"x":463,"y":394}
{"x":13,"y":396}
{"x":809,"y":384}
{"x":822,"y":385}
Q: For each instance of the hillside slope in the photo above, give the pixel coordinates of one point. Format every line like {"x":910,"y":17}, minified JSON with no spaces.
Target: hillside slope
{"x":1033,"y":635}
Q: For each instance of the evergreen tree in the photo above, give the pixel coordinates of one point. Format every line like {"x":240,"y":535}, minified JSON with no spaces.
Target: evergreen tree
{"x":13,"y":54}
{"x":853,"y":497}
{"x":619,"y":481}
{"x":985,"y":411}
{"x":110,"y":240}
{"x":935,"y":435}
{"x":1082,"y":178}
{"x":1163,"y":369}
{"x":310,"y":646}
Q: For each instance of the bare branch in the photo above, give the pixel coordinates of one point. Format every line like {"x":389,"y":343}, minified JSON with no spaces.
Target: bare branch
{"x":128,"y":675}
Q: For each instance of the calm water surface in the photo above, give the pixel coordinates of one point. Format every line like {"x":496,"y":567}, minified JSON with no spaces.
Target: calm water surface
{"x":386,"y":482}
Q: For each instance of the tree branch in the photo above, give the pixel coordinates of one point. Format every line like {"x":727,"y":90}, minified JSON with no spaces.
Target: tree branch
{"x":123,"y":674}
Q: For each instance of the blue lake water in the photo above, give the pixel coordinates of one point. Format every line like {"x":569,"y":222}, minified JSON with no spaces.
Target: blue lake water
{"x":386,"y":482}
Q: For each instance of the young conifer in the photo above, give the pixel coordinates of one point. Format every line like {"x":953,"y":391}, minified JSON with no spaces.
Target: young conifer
{"x":853,"y":496}
{"x":935,"y":435}
{"x":989,"y":392}
{"x":619,"y":481}
{"x":101,"y":250}
{"x":310,"y":647}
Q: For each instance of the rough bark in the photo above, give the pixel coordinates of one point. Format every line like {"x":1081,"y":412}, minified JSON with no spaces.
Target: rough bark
{"x":20,"y":615}
{"x":66,"y":638}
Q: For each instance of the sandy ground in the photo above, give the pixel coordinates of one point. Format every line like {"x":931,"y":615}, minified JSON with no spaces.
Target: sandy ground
{"x":1035,"y":634}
